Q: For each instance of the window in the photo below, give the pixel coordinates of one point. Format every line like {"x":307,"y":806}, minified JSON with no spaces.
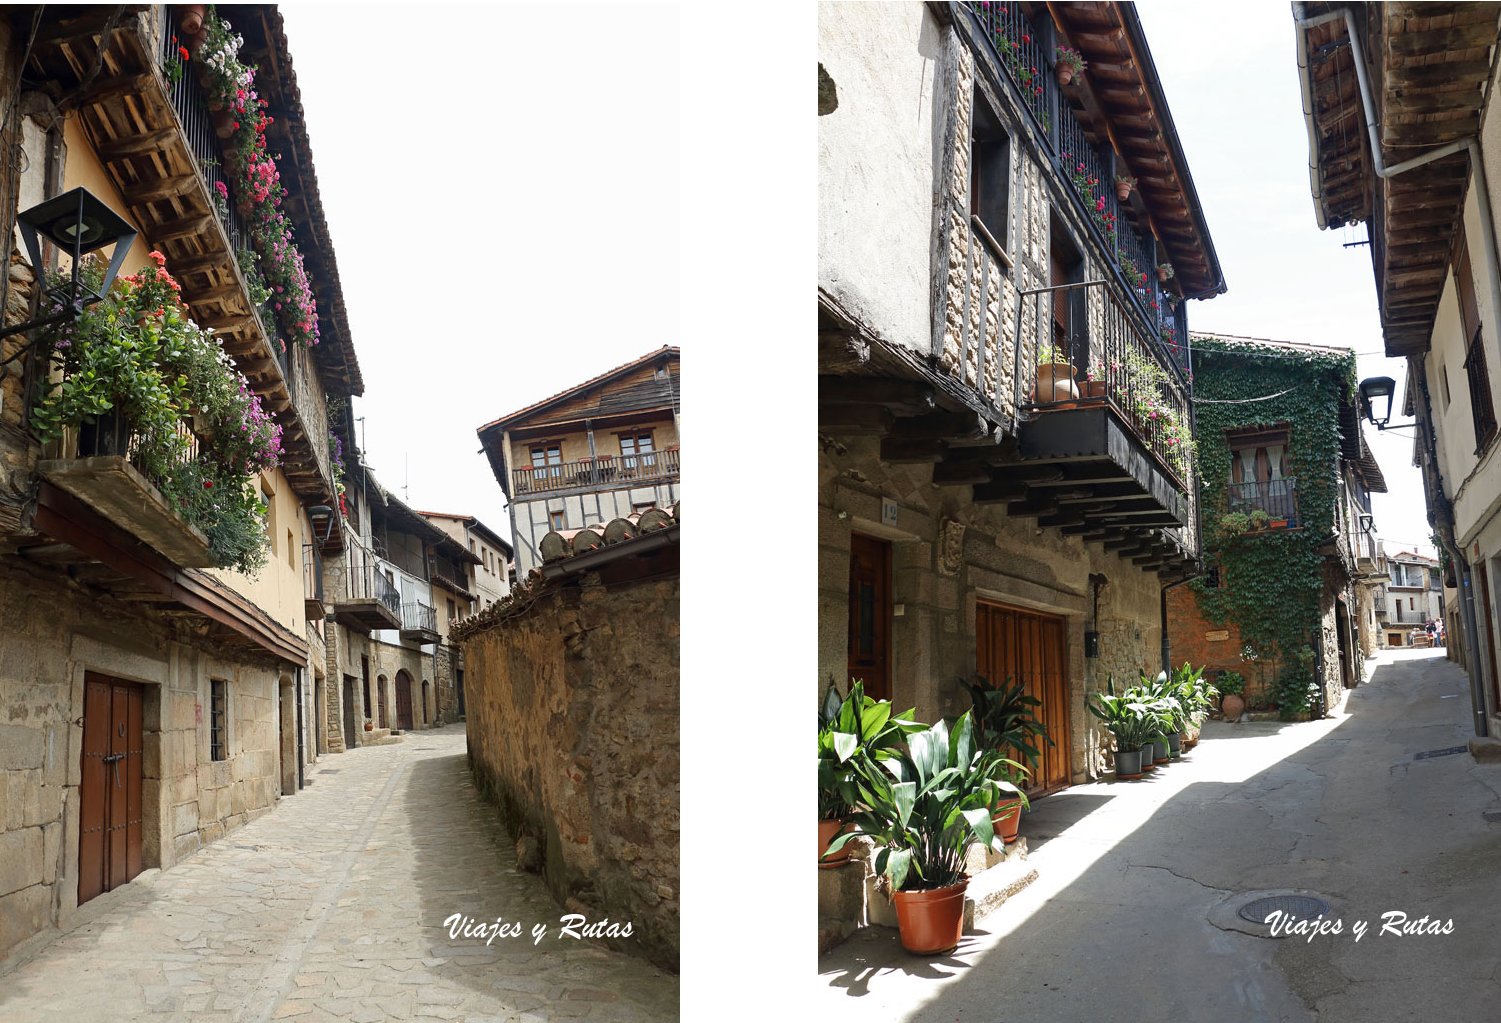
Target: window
{"x":637,"y":444}
{"x":557,"y":520}
{"x":1482,"y":409}
{"x":471,"y":546}
{"x":637,"y":507}
{"x":270,"y":516}
{"x":989,"y":173}
{"x":1259,"y":480}
{"x":218,"y":719}
{"x":291,"y":552}
{"x":547,"y":459}
{"x":453,"y":612}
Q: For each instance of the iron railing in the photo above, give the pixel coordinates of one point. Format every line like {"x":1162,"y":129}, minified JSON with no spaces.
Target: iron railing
{"x":113,"y":434}
{"x":443,"y":571}
{"x":1026,"y":58}
{"x":419,"y":617}
{"x":607,"y":471}
{"x":1278,"y":498}
{"x":365,"y":582}
{"x":1120,"y":364}
{"x":1407,"y":616}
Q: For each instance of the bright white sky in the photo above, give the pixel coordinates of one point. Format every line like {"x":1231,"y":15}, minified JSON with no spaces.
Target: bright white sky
{"x":1233,"y":90}
{"x":502,"y":193}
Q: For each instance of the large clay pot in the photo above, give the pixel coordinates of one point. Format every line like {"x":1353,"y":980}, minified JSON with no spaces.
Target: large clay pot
{"x":190,"y":18}
{"x":827,"y":832}
{"x":931,"y":922}
{"x":1065,"y":75}
{"x":1055,"y":382}
{"x":1122,"y":191}
{"x":1232,"y":705}
{"x":1006,"y":819}
{"x":1127,"y":764}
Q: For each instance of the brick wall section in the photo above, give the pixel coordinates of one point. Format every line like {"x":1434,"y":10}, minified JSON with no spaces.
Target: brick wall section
{"x":572,"y":711}
{"x":1190,"y":633}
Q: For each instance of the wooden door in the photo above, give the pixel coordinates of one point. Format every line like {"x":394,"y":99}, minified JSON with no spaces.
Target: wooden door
{"x":350,"y":725}
{"x":404,"y":701}
{"x":1487,"y":625}
{"x":380,"y":698}
{"x":1015,"y":644}
{"x":870,"y":615}
{"x":109,"y":811}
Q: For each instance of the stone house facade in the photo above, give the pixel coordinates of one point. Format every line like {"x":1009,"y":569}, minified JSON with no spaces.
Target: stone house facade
{"x":607,"y":448}
{"x":982,"y":509}
{"x":572,"y":720}
{"x":128,"y":664}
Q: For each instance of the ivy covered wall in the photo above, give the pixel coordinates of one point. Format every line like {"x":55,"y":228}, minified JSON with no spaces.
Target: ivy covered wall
{"x":1272,"y":582}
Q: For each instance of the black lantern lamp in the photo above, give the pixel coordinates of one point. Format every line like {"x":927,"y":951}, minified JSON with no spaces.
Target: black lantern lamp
{"x":1367,"y":522}
{"x":1376,"y":396}
{"x":321,"y":512}
{"x":78,"y":223}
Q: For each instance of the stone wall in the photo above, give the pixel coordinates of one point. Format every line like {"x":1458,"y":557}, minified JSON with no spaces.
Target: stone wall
{"x":572,"y":714}
{"x":54,"y":633}
{"x":949,"y":554}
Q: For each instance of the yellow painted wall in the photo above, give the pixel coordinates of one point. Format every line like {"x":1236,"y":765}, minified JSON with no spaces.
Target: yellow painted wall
{"x":82,"y":168}
{"x":278,"y":588}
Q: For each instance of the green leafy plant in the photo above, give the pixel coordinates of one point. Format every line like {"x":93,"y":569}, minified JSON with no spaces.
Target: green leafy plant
{"x":1231,"y":683}
{"x":1296,"y":688}
{"x":1234,"y":524}
{"x":1006,"y":719}
{"x":1070,"y":60}
{"x":1127,"y":718}
{"x":1258,"y":519}
{"x":927,"y":805}
{"x":853,"y":731}
{"x":136,"y":361}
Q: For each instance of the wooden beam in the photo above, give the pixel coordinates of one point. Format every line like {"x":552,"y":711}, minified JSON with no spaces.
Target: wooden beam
{"x":134,"y":145}
{"x":164,"y":188}
{"x":841,"y":352}
{"x":958,"y":471}
{"x":998,"y":491}
{"x":854,"y":419}
{"x":910,"y":451}
{"x":185,"y":227}
{"x":118,"y":87}
{"x":911,"y":395}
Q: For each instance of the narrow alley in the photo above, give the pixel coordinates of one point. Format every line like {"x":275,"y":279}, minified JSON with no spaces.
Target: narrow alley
{"x":1378,"y":809}
{"x":332,"y":907}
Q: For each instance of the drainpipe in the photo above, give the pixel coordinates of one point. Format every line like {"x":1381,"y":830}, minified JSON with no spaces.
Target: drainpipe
{"x":1442,"y":508}
{"x":300,"y":750}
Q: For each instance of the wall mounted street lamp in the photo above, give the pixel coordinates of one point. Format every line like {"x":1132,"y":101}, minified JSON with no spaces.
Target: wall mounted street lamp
{"x":322,"y":511}
{"x":1376,"y":395}
{"x":78,"y":223}
{"x":1367,"y":522}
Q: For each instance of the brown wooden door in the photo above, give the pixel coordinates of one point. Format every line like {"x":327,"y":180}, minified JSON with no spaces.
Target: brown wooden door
{"x":1488,"y":626}
{"x":109,"y":814}
{"x":870,"y":615}
{"x":1032,"y":647}
{"x":404,"y":701}
{"x":380,"y":699}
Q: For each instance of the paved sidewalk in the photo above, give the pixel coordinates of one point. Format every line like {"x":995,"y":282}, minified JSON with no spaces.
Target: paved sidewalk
{"x":1127,"y":919}
{"x":331,"y":907}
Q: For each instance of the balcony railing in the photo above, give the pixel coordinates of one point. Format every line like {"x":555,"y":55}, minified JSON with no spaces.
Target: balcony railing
{"x":1129,"y":372}
{"x":1278,"y":498}
{"x":445,"y":574}
{"x":312,"y":573}
{"x":365,"y":582}
{"x":418,"y":617}
{"x":1027,"y":63}
{"x":1407,"y":616}
{"x":606,"y":471}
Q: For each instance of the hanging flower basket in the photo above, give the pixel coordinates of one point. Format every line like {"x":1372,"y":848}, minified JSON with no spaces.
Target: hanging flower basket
{"x":190,"y":18}
{"x":1067,"y":64}
{"x":1123,"y":185}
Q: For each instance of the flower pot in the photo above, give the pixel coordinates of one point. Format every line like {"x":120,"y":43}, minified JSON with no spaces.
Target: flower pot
{"x":1162,"y":275}
{"x":190,"y":18}
{"x":931,"y":922}
{"x":1055,"y":382}
{"x":1065,"y":75}
{"x":224,"y":121}
{"x":369,"y":727}
{"x":1161,"y":752}
{"x":1174,"y":744}
{"x":1277,"y":524}
{"x":194,"y":42}
{"x":827,"y":832}
{"x":1146,"y":759}
{"x":1128,"y":763}
{"x":1122,"y":192}
{"x":1232,"y":706}
{"x":1094,"y":388}
{"x":1006,"y":819}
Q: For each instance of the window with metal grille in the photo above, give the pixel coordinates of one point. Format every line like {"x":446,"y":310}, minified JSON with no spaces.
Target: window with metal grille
{"x":990,"y":172}
{"x":1480,"y":393}
{"x":218,"y":735}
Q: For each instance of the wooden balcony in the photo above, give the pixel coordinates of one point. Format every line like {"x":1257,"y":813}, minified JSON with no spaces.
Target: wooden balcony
{"x":312,"y":582}
{"x":157,"y":143}
{"x":607,"y":472}
{"x":115,"y":489}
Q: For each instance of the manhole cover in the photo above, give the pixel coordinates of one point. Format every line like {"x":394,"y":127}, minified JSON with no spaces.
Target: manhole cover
{"x":1298,"y":907}
{"x":1449,"y":752}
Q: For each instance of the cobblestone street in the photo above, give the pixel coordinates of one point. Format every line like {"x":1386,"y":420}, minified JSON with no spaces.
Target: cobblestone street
{"x":332,"y":907}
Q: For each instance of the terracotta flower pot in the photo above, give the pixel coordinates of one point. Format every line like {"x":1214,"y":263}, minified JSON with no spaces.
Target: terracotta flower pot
{"x":369,"y":727}
{"x":1232,"y":705}
{"x":1094,"y":388}
{"x":224,"y":121}
{"x":1122,"y":192}
{"x":190,"y":18}
{"x":1065,"y":75}
{"x":1006,"y":819}
{"x":931,"y":922}
{"x":827,"y":832}
{"x":1055,"y":382}
{"x":1162,"y":275}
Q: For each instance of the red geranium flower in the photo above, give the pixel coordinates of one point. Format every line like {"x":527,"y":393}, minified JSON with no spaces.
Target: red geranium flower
{"x":208,"y":484}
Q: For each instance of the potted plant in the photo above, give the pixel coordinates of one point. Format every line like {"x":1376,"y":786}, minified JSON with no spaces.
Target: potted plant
{"x":1232,"y":687}
{"x":1123,"y":185}
{"x":926,"y":806}
{"x":1165,"y":272}
{"x":1094,"y":380}
{"x":1161,"y":714}
{"x":369,"y":725}
{"x":1055,"y":377}
{"x":1067,"y":64}
{"x":852,"y":729}
{"x":1258,"y":520}
{"x":1006,"y":721}
{"x":1195,"y":694}
{"x":1127,"y":721}
{"x":1234,"y":524}
{"x":1277,"y":523}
